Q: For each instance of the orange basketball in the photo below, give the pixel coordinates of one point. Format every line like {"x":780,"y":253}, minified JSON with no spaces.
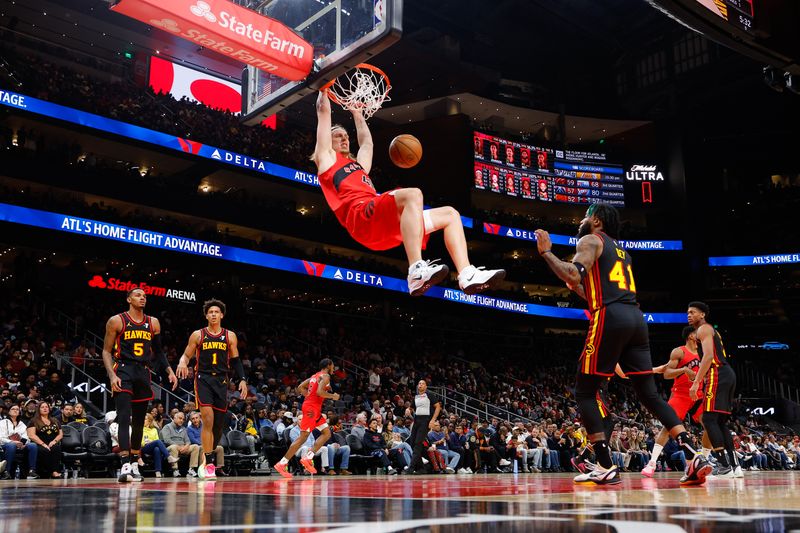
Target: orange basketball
{"x":405,"y":151}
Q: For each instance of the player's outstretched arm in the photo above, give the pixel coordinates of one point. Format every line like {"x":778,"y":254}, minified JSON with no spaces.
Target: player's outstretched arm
{"x":323,"y":151}
{"x":365,"y":146}
{"x":588,"y":250}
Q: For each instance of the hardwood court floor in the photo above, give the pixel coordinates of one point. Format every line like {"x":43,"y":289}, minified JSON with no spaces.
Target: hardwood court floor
{"x":768,"y":501}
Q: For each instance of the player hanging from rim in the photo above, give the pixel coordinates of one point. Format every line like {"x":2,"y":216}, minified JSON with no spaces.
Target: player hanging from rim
{"x":720,"y":382}
{"x":216,"y":351}
{"x":682,"y":367}
{"x":384,"y":221}
{"x":315,"y":390}
{"x":602,"y":273}
{"x":132,"y":339}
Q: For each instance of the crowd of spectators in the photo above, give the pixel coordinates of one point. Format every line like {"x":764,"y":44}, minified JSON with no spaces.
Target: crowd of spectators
{"x":526,"y":421}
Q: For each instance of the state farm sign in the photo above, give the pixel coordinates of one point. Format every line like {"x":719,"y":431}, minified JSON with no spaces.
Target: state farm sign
{"x":229,"y":29}
{"x":114,"y":284}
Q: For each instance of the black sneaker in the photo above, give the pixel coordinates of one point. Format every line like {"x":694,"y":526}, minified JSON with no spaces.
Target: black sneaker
{"x":33,"y":475}
{"x":696,"y":472}
{"x":723,"y":472}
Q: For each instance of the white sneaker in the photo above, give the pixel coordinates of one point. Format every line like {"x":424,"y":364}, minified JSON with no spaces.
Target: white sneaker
{"x":449,"y":470}
{"x":737,"y":472}
{"x":391,"y":471}
{"x":462,"y":470}
{"x":135,"y":472}
{"x":159,"y":475}
{"x":425,"y":461}
{"x":598,"y":475}
{"x":469,"y":470}
{"x":504,"y":462}
{"x":191,"y":473}
{"x":176,"y":473}
{"x":125,"y":474}
{"x":422,"y":275}
{"x":473,"y":280}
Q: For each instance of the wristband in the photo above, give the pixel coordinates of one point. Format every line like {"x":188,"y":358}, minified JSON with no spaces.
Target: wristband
{"x":546,"y":252}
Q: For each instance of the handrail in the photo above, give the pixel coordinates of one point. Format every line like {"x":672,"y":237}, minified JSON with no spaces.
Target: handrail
{"x":180,"y":395}
{"x":749,"y":376}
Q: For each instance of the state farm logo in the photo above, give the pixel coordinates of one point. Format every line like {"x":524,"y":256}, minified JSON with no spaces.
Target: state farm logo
{"x":97,"y":282}
{"x":166,"y":24}
{"x":202,"y":9}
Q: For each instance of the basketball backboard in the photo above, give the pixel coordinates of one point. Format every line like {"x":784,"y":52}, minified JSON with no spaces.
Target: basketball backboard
{"x":343,"y":33}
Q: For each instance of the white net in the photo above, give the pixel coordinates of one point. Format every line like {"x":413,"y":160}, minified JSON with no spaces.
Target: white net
{"x":365,"y":88}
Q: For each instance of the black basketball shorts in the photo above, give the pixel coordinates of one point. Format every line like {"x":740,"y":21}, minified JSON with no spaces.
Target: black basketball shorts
{"x":720,"y":386}
{"x":135,"y":381}
{"x":617,"y":334}
{"x":212,"y":391}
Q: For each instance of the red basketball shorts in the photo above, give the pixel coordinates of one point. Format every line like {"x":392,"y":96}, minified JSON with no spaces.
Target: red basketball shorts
{"x":682,"y":404}
{"x":375,"y":223}
{"x":312,"y":419}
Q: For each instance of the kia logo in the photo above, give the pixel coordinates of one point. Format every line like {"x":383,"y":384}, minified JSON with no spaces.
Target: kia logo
{"x":97,"y":282}
{"x":202,"y":9}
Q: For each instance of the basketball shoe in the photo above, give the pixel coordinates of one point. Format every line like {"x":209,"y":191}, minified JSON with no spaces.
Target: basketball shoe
{"x":737,"y":472}
{"x":422,"y":275}
{"x":135,"y":472}
{"x":308,"y":464}
{"x":648,"y":470}
{"x":473,"y":280}
{"x":579,"y":463}
{"x":283,"y":470}
{"x":598,"y":475}
{"x":209,"y":470}
{"x":697,"y":471}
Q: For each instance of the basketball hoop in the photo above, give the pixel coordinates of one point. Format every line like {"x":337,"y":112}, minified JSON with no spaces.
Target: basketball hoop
{"x":365,"y":88}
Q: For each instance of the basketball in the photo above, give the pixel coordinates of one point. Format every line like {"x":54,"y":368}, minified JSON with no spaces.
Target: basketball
{"x":405,"y":151}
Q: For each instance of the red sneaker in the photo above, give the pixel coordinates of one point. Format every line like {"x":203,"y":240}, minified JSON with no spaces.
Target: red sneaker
{"x":308,"y":464}
{"x":281,"y":468}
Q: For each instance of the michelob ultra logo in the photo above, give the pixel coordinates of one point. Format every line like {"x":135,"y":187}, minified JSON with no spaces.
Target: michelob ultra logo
{"x":644,"y":173}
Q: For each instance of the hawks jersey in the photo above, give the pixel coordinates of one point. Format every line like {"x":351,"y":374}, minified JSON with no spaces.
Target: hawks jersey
{"x":213,"y":352}
{"x":134,"y":342}
{"x":313,"y":400}
{"x":344,"y":184}
{"x":690,"y":360}
{"x":720,"y":355}
{"x":610,"y":280}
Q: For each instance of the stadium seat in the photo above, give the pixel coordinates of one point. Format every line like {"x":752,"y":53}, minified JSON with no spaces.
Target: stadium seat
{"x":97,"y":442}
{"x":72,"y":448}
{"x":239,"y":452}
{"x":359,"y":463}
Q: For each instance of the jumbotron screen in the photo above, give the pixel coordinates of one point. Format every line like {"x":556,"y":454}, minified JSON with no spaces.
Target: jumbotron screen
{"x":546,"y":174}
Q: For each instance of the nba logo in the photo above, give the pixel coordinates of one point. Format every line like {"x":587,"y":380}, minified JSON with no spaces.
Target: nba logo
{"x":378,"y":10}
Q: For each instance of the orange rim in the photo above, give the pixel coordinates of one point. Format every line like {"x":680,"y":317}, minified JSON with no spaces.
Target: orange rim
{"x":367,"y":66}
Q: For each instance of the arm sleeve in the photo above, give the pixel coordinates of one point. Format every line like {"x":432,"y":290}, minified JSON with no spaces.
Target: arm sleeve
{"x":238,"y":369}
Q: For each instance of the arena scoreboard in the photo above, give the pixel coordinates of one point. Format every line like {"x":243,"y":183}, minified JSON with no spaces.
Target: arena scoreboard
{"x":546,"y":174}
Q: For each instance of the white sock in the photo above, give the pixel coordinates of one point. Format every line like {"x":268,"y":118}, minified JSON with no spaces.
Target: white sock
{"x":657,"y":448}
{"x":706,"y":452}
{"x":284,"y":461}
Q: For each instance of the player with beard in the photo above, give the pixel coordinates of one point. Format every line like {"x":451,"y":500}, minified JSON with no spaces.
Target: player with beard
{"x":720,"y":382}
{"x":602,"y":273}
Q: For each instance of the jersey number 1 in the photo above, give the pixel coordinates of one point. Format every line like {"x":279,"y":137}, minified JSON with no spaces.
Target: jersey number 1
{"x":617,"y":275}
{"x":214,"y":355}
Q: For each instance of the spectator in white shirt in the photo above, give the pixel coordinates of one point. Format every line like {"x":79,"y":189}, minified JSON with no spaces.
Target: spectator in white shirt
{"x":14,"y":439}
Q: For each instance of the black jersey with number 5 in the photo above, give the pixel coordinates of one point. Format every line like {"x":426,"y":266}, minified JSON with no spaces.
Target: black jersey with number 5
{"x":610,"y":280}
{"x":720,"y":355}
{"x":135,"y":340}
{"x":212,"y":352}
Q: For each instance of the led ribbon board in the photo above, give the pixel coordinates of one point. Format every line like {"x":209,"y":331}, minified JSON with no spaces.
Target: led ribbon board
{"x":566,"y":240}
{"x":163,"y":241}
{"x":754,"y":260}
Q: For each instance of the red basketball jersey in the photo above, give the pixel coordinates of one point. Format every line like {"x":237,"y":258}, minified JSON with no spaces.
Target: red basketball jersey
{"x":313,"y":400}
{"x":344,"y":184}
{"x":681,"y":385}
